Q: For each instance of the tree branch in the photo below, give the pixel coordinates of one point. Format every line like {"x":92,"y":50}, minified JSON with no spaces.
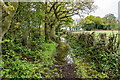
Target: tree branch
{"x":7,"y":20}
{"x":4,"y":6}
{"x":52,"y":6}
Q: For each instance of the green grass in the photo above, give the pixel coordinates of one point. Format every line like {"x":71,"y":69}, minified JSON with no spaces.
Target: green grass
{"x":108,"y":32}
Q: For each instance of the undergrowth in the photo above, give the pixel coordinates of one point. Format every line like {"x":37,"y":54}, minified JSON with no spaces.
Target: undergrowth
{"x":95,"y":57}
{"x":27,"y":60}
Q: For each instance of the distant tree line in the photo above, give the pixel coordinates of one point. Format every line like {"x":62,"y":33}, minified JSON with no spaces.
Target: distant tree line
{"x":109,"y":22}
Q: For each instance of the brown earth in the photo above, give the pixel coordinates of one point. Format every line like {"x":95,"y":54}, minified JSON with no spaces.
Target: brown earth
{"x":67,"y":71}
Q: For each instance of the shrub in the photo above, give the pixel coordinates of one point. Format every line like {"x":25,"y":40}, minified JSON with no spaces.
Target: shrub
{"x":101,"y":50}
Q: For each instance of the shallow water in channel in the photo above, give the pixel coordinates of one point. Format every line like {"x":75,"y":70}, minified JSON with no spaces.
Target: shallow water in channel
{"x":63,"y":52}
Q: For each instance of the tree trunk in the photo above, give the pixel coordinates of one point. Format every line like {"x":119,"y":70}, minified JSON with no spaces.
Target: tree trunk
{"x":70,"y":28}
{"x":40,"y":29}
{"x":46,"y":33}
{"x":46,"y":25}
{"x":52,"y":32}
{"x":24,"y":37}
{"x":7,"y":20}
{"x":57,"y":29}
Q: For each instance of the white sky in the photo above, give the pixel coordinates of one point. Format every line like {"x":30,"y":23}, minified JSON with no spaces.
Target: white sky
{"x":104,"y":7}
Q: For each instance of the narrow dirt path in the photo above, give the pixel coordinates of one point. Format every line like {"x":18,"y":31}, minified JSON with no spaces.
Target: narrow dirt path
{"x":67,"y":71}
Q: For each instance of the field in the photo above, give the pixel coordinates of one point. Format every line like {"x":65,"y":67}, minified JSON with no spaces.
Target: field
{"x":108,"y":32}
{"x":101,"y":31}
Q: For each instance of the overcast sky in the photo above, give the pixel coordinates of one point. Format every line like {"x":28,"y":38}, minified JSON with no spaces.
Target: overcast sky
{"x":104,"y":7}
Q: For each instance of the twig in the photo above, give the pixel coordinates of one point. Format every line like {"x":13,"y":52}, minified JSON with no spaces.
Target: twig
{"x":107,"y":62}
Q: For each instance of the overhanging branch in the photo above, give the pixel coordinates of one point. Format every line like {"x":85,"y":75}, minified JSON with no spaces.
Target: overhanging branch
{"x":52,"y":6}
{"x":4,"y":6}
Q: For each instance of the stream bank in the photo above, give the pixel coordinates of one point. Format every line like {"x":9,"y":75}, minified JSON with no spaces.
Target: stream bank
{"x":66,"y":66}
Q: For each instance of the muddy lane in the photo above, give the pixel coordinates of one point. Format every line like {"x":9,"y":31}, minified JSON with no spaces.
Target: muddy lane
{"x":66,"y":66}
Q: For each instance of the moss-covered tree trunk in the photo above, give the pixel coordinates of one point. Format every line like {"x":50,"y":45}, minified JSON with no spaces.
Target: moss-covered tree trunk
{"x":7,"y":13}
{"x":57,"y":29}
{"x":46,"y":32}
{"x":46,"y":24}
{"x":52,"y":32}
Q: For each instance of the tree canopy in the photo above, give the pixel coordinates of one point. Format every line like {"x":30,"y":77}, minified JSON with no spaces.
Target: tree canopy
{"x":51,"y":15}
{"x":109,"y":22}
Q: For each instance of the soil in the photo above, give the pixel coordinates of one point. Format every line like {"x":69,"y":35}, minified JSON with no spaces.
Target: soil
{"x":67,"y":71}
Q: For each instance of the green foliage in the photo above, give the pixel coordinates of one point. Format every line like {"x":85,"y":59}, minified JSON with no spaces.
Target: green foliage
{"x":109,"y":22}
{"x":101,"y":51}
{"x":25,"y":53}
{"x":87,"y":70}
{"x":22,"y":61}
